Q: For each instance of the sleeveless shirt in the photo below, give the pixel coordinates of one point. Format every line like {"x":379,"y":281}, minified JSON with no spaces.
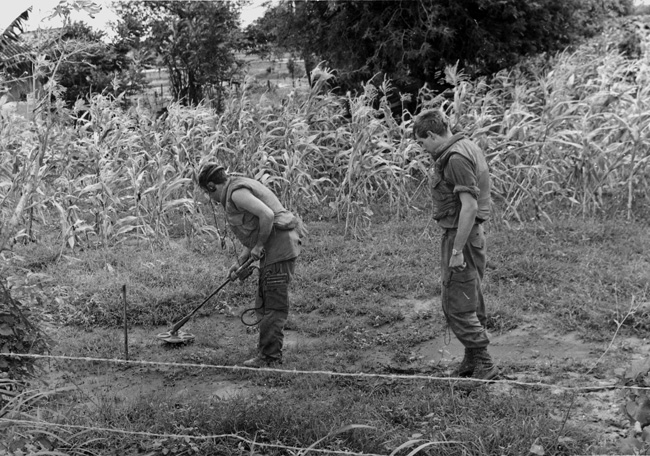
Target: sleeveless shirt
{"x":284,"y":242}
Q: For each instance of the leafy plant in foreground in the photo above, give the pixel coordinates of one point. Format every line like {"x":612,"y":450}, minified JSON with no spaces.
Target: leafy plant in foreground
{"x":19,"y":333}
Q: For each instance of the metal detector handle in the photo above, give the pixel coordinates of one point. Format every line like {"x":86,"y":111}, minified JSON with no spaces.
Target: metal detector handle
{"x":245,"y":265}
{"x":179,"y":324}
{"x":244,"y":270}
{"x":182,"y":321}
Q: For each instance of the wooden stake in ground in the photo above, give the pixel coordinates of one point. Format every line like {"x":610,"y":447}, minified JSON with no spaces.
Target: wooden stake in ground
{"x":126,"y":329}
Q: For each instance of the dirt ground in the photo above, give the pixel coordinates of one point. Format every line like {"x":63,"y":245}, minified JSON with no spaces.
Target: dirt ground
{"x":531,"y":353}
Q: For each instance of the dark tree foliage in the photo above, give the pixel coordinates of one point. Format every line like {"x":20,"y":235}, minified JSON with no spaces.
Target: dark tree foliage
{"x":196,"y":41}
{"x":18,"y":334}
{"x":419,"y":38}
{"x":89,"y":65}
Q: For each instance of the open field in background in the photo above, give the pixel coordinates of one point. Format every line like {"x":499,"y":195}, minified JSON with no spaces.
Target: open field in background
{"x":567,"y":283}
{"x":275,"y":68}
{"x":270,"y":74}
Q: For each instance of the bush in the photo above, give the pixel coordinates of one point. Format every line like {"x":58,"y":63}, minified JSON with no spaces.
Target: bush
{"x":18,"y":335}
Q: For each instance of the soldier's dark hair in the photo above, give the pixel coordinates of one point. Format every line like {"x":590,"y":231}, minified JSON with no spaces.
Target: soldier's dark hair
{"x":212,"y":173}
{"x":433,"y":121}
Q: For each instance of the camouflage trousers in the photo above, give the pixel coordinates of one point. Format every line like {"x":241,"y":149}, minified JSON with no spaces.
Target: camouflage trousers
{"x":272,"y":307}
{"x":462,"y":298}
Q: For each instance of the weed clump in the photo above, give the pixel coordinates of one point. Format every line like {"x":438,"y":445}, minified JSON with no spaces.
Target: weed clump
{"x":20,"y":334}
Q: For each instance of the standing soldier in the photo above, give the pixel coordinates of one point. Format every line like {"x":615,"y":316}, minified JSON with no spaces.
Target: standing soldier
{"x":461,"y":192}
{"x":269,"y":233}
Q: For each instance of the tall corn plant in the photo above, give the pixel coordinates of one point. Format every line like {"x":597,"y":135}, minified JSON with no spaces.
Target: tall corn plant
{"x":275,"y":144}
{"x":373,"y":162}
{"x":146,"y":170}
{"x":311,"y":156}
{"x":602,"y":155}
{"x":574,"y":137}
{"x":18,"y":142}
{"x":573,"y":133}
{"x":29,"y":159}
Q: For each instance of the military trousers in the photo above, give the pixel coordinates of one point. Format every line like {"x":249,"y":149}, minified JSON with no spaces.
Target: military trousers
{"x":462,"y":296}
{"x":272,"y":307}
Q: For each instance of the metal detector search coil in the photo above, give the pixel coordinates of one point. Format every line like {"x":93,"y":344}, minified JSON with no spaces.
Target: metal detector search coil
{"x":181,"y":337}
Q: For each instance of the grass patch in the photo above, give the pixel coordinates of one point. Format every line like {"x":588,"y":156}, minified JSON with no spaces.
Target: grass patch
{"x":586,"y":274}
{"x":581,"y":275}
{"x":476,"y":422}
{"x":163,"y":283}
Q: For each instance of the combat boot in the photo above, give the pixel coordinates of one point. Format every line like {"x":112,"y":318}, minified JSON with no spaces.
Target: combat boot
{"x":466,"y":366}
{"x":484,"y":369}
{"x":258,"y":362}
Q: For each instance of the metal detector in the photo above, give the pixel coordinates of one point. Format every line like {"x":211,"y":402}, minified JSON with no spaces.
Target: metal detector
{"x":175,"y":336}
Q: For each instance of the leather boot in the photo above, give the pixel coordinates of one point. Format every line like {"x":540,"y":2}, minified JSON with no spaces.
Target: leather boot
{"x":485,"y":369}
{"x":258,"y":362}
{"x":466,"y":366}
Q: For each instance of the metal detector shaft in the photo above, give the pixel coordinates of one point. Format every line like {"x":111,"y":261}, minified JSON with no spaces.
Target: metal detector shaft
{"x":179,"y":324}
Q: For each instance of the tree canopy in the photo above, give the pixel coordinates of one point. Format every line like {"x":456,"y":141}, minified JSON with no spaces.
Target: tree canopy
{"x":419,"y":38}
{"x":88,"y":65}
{"x":196,"y":41}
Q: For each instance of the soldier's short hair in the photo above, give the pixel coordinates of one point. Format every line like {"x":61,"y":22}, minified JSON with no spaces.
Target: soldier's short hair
{"x":432,"y":120}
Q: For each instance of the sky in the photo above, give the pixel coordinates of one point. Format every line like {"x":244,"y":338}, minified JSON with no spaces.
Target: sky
{"x":41,"y":9}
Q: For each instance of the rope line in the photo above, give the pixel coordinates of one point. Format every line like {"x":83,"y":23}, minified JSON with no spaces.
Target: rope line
{"x":209,"y":437}
{"x":586,"y":389}
{"x":186,"y":436}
